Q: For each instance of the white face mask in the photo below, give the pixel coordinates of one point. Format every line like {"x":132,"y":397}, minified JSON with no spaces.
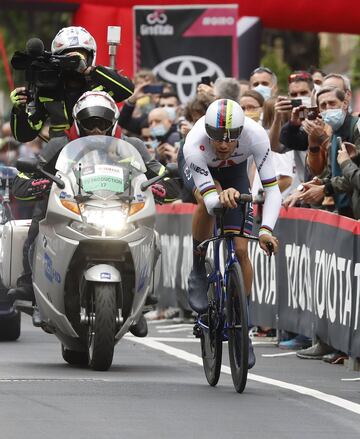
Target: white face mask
{"x":171,"y":111}
{"x":264,"y":90}
{"x":306,"y":100}
{"x":317,"y":87}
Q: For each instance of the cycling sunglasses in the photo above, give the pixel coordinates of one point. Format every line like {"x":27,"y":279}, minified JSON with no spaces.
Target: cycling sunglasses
{"x":223,"y":134}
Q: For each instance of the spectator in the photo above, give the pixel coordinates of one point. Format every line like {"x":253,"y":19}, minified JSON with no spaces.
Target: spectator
{"x":252,"y":103}
{"x":332,"y":104}
{"x":227,"y":88}
{"x":264,"y":81}
{"x":317,"y":77}
{"x":171,"y":103}
{"x":165,"y":132}
{"x":342,"y":82}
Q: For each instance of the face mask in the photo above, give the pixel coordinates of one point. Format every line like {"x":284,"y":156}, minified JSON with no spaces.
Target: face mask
{"x":306,"y":100}
{"x":334,"y":117}
{"x":152,"y":144}
{"x":10,"y":156}
{"x":264,"y":90}
{"x":158,"y":130}
{"x":317,"y":87}
{"x":171,"y":111}
{"x":253,"y":114}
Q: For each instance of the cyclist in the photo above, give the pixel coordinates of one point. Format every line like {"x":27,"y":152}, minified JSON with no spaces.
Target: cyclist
{"x":213,"y":164}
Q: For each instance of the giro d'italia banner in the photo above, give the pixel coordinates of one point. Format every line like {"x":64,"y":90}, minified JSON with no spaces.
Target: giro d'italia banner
{"x":311,"y":287}
{"x":182,"y":44}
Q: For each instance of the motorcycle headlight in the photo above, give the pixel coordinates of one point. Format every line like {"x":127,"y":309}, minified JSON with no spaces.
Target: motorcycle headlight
{"x":103,"y":222}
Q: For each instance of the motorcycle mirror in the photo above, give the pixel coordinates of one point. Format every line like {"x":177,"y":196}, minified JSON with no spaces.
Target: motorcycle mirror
{"x":172,"y":170}
{"x":27,"y":164}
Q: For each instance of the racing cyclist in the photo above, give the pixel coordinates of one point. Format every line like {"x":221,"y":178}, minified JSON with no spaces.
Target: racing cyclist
{"x":213,"y":164}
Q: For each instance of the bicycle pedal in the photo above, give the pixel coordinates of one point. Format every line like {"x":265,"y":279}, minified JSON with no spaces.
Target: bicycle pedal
{"x":197,"y":331}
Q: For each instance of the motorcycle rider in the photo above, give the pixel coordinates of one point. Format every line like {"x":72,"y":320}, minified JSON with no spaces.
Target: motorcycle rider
{"x":56,"y":103}
{"x":95,"y":113}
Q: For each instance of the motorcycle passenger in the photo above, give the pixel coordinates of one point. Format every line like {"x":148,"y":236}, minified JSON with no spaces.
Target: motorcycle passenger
{"x":95,"y":113}
{"x":56,"y":103}
{"x":213,"y":164}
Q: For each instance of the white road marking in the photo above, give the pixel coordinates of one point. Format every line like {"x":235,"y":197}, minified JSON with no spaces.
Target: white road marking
{"x":283,"y":354}
{"x":183,"y":355}
{"x":168,"y":331}
{"x":173,"y":339}
{"x":181,"y":325}
{"x":350,"y":379}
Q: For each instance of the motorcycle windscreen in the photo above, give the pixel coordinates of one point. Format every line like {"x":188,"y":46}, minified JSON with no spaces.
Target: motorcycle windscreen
{"x":103,"y":164}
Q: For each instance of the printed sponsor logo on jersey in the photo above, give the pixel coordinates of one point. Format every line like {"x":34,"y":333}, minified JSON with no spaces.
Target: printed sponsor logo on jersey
{"x":264,"y":159}
{"x":202,"y":148}
{"x":199,"y":170}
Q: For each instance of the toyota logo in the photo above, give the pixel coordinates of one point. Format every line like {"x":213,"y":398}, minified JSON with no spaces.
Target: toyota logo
{"x":185,"y":73}
{"x":157,"y":17}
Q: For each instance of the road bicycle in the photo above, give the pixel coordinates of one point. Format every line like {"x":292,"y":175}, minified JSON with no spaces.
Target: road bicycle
{"x":227,"y":316}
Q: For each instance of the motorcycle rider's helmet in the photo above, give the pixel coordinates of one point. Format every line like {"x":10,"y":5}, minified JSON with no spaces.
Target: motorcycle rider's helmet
{"x":73,"y":38}
{"x":224,"y":120}
{"x":95,"y":111}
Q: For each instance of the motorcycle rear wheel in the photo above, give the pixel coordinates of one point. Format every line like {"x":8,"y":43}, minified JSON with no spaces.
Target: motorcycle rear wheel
{"x":102,"y":328}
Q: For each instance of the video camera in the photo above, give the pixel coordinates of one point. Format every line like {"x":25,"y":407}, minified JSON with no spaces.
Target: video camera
{"x":42,"y":68}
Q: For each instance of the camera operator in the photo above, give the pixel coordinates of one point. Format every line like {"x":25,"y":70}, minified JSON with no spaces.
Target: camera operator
{"x":55,"y":89}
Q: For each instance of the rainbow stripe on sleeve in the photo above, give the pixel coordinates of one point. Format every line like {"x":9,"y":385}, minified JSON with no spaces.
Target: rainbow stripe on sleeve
{"x":269,"y":182}
{"x":208,"y":190}
{"x":265,"y":230}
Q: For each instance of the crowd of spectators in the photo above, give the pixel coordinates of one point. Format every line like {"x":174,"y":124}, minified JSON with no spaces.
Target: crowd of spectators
{"x":314,"y":137}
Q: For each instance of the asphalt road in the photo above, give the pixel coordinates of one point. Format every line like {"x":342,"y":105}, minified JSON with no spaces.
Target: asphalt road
{"x":156,"y":388}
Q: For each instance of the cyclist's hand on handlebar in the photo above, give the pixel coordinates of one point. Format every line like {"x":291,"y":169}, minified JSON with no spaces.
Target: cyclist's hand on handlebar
{"x":228,"y":198}
{"x":266,"y":241}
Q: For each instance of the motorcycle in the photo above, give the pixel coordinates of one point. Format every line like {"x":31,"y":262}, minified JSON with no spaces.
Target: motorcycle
{"x":10,"y":318}
{"x":94,"y":259}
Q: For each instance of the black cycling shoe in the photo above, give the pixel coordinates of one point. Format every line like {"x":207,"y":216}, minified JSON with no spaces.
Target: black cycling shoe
{"x":251,"y":357}
{"x":139,"y":329}
{"x":198,"y":286}
{"x":24,"y":292}
{"x":151,"y":300}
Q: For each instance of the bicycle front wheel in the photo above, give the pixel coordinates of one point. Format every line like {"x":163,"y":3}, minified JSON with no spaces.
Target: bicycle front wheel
{"x":237,"y":323}
{"x":211,"y":339}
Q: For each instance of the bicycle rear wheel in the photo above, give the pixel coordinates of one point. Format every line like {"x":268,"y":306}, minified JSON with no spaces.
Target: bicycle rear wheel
{"x":211,"y":339}
{"x":237,"y":321}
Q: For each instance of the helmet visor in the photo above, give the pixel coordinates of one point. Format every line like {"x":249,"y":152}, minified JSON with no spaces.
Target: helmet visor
{"x":94,"y":122}
{"x":223,"y":134}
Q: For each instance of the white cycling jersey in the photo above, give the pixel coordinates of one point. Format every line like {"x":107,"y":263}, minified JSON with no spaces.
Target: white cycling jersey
{"x":199,"y":156}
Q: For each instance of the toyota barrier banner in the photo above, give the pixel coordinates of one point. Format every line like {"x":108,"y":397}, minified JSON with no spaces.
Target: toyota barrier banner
{"x":182,"y":44}
{"x":311,"y":287}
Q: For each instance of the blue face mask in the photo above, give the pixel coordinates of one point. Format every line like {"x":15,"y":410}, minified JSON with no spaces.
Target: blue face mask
{"x":334,"y":117}
{"x":152,"y":143}
{"x":264,"y":90}
{"x":158,"y":130}
{"x":171,"y":111}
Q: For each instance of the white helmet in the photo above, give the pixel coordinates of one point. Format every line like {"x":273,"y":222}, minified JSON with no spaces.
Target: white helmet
{"x":224,"y":120}
{"x":95,"y":109}
{"x":74,"y":37}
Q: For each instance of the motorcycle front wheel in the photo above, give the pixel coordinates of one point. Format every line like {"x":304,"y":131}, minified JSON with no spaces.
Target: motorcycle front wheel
{"x":102,"y":328}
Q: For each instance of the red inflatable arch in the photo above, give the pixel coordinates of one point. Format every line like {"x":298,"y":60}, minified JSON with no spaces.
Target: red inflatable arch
{"x":300,"y":15}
